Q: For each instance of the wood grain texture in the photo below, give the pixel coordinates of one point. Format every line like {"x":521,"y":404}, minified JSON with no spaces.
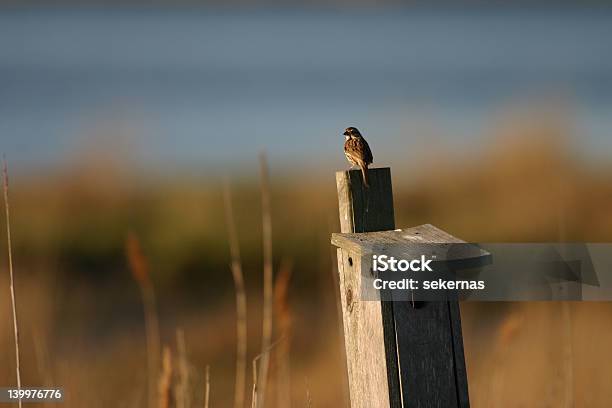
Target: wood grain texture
{"x":461,"y":380}
{"x":369,"y":327}
{"x":428,"y":337}
{"x":365,"y":209}
{"x":364,"y":340}
{"x":407,"y":243}
{"x":421,"y":345}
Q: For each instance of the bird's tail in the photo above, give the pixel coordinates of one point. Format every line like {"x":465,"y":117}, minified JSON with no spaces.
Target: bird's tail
{"x":364,"y":172}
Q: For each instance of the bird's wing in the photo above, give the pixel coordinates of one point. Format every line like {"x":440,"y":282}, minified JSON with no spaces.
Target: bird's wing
{"x":367,"y":153}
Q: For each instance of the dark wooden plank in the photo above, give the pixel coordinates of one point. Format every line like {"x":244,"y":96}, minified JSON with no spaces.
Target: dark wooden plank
{"x":431,"y":357}
{"x":461,"y":381}
{"x":425,"y":347}
{"x":365,"y":209}
{"x":367,"y":324}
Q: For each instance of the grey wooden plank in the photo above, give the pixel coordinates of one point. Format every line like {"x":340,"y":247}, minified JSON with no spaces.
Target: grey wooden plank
{"x":408,"y":243}
{"x":368,"y":242}
{"x":369,"y":327}
{"x":364,"y":340}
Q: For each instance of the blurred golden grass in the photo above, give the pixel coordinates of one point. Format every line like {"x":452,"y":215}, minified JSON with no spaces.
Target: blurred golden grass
{"x":282,"y":315}
{"x":240,"y":294}
{"x":140,"y":271}
{"x":165,"y":380}
{"x":524,"y":186}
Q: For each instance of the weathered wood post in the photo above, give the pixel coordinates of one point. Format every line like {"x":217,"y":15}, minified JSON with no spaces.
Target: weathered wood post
{"x":397,"y":355}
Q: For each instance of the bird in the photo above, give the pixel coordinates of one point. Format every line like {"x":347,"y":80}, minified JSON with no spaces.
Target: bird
{"x":357,"y":151}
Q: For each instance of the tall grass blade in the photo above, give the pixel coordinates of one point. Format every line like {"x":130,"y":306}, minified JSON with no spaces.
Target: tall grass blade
{"x":266,"y":336}
{"x":12,"y":278}
{"x":241,"y":304}
{"x":165,"y":380}
{"x":183,"y":391}
{"x":282,"y":314}
{"x":140,"y":271}
{"x":207,"y":387}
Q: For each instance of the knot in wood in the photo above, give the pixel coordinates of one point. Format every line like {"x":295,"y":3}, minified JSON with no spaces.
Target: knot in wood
{"x":349,"y":299}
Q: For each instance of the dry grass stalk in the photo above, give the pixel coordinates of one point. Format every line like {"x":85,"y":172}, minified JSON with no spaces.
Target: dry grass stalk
{"x":140,"y":271}
{"x":266,"y":336}
{"x":308,"y":396}
{"x":207,"y":387}
{"x":182,"y":393}
{"x":11,"y":274}
{"x":282,"y":313}
{"x":165,"y":380}
{"x":256,"y":388}
{"x":254,"y":396}
{"x":241,"y":305}
{"x":139,"y":266}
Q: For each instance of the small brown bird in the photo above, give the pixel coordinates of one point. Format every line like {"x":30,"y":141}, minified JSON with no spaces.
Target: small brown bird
{"x":357,"y":151}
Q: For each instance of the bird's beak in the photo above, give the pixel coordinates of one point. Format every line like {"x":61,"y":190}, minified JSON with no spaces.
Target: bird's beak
{"x":345,"y":134}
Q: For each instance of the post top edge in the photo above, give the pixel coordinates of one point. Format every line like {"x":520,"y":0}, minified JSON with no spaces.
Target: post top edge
{"x":402,"y":241}
{"x":421,"y":234}
{"x":340,"y":172}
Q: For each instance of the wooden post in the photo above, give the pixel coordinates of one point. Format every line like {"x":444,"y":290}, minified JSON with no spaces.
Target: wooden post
{"x":368,"y":326}
{"x":398,"y":356}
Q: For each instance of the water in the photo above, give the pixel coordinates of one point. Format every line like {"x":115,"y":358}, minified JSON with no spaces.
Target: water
{"x":185,"y":87}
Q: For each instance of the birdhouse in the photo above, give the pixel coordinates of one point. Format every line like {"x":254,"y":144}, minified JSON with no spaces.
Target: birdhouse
{"x":398,"y":355}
